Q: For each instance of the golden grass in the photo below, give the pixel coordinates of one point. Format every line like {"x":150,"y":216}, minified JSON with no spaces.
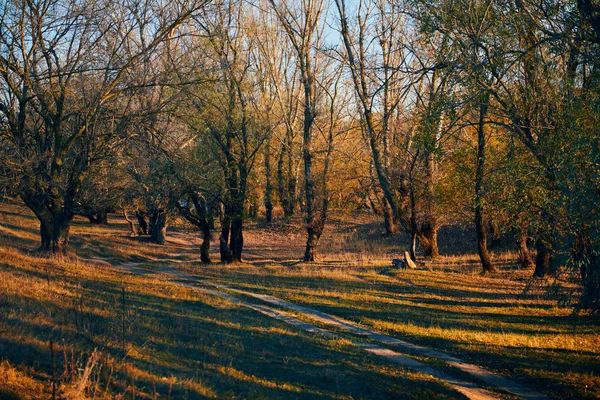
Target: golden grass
{"x":502,"y":320}
{"x":163,"y":339}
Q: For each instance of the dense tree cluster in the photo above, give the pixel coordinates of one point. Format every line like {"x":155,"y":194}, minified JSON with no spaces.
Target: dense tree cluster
{"x":430,"y":112}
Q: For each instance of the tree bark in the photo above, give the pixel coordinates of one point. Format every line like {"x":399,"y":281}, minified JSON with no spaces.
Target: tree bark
{"x":428,"y":237}
{"x":54,"y":228}
{"x":132,"y":231}
{"x":389,"y":219}
{"x":589,"y":268}
{"x":46,"y":236}
{"x":494,"y":233}
{"x":543,"y":245}
{"x":143,"y":225}
{"x":158,"y":226}
{"x":60,"y":234}
{"x":525,"y":256}
{"x":236,"y":241}
{"x":484,"y":255}
{"x":542,"y":258}
{"x":268,"y":185}
{"x":312,"y":242}
{"x":100,"y":217}
{"x":200,"y":219}
{"x":226,"y":256}
{"x":429,"y":227}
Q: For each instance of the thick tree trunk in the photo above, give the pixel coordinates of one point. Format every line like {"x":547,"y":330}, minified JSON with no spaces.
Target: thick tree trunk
{"x":54,"y":235}
{"x":158,"y":226}
{"x":428,"y":239}
{"x":480,"y":228}
{"x":100,"y":217}
{"x":46,"y":236}
{"x":205,"y":214}
{"x":60,"y":234}
{"x":210,"y":216}
{"x":484,"y":255}
{"x":54,"y":228}
{"x":312,"y":243}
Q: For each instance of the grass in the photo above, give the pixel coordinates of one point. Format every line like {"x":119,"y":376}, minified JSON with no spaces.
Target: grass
{"x":489,"y":320}
{"x":181,"y":343}
{"x":117,"y":335}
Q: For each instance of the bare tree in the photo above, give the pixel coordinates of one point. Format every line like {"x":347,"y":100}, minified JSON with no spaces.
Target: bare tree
{"x":64,"y":67}
{"x":304,"y":24}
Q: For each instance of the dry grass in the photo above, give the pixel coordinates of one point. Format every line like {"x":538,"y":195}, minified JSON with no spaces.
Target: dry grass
{"x":186,"y":344}
{"x":157,"y":339}
{"x":505,"y":321}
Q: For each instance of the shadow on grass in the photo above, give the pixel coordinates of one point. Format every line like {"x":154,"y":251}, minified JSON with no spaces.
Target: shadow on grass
{"x":213,"y":349}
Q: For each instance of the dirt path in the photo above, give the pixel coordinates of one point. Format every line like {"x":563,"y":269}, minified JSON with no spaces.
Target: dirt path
{"x":469,"y":389}
{"x":327,"y":319}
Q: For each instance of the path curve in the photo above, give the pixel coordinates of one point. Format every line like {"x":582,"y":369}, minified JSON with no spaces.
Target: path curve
{"x":486,"y":376}
{"x":469,"y":389}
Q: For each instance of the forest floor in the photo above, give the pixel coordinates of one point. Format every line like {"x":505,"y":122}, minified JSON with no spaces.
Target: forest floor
{"x":165,"y":326}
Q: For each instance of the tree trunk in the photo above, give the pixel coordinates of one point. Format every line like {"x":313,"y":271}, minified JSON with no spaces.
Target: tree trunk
{"x":494,"y":233}
{"x":525,"y":257}
{"x":312,"y":242}
{"x":102,"y":217}
{"x":143,"y":225}
{"x":205,"y":247}
{"x":286,"y":185}
{"x":543,"y":245}
{"x":414,"y":228}
{"x":292,"y":180}
{"x":429,"y":227}
{"x":268,"y":186}
{"x":132,"y":231}
{"x":226,"y":256}
{"x":589,"y":267}
{"x":484,"y":255}
{"x":60,"y":234}
{"x":482,"y":249}
{"x":542,"y":258}
{"x":158,"y":226}
{"x":46,"y":236}
{"x":205,"y":214}
{"x":236,"y":238}
{"x":389,"y":219}
{"x":236,"y":242}
{"x":413,"y":246}
{"x":428,"y":239}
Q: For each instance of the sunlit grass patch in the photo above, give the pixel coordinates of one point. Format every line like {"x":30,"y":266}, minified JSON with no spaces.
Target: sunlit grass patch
{"x":147,"y":337}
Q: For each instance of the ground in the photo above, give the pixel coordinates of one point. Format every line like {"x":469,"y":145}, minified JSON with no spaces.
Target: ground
{"x":107,"y":322}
